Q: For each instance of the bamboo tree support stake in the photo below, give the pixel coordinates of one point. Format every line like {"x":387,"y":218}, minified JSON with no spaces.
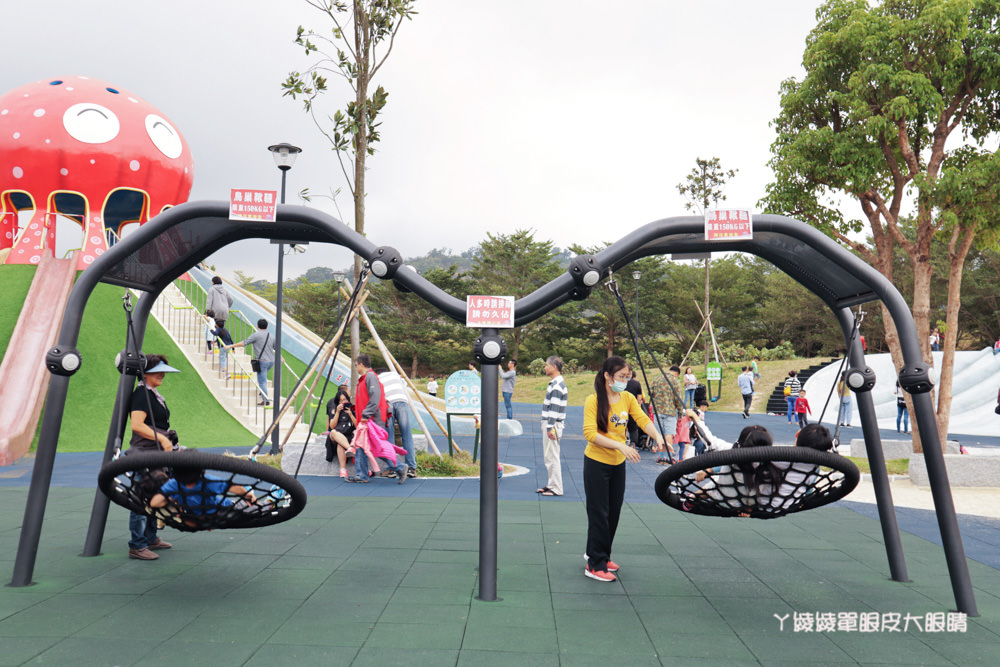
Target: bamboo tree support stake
{"x":327,"y":351}
{"x":694,"y":341}
{"x":399,"y":369}
{"x":444,"y":431}
{"x":711,"y":331}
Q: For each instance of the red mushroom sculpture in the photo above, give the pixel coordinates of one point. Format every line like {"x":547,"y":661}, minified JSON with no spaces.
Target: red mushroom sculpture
{"x":94,"y":153}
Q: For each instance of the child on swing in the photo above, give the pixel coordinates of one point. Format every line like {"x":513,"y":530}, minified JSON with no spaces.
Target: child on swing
{"x":195,"y":493}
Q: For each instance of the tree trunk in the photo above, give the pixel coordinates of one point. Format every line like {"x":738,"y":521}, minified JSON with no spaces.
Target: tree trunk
{"x":361,"y":46}
{"x":707,"y":342}
{"x":958,"y":251}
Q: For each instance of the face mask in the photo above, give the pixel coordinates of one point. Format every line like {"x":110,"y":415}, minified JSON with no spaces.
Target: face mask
{"x":618,"y":387}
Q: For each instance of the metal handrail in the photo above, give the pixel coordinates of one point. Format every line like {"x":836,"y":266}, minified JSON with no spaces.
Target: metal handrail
{"x":189,"y":329}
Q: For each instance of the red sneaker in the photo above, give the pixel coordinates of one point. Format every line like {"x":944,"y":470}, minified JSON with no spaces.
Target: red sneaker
{"x":600,"y":575}
{"x":612,"y":566}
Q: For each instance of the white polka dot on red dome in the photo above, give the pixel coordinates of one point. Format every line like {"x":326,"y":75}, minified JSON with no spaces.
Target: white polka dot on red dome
{"x":17,"y":172}
{"x":38,"y":113}
{"x":17,"y":135}
{"x":64,"y":171}
{"x":87,"y":259}
{"x":134,"y":165}
{"x":95,"y":239}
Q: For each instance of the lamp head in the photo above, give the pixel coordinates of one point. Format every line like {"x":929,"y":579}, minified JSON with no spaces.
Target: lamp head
{"x":284,"y":155}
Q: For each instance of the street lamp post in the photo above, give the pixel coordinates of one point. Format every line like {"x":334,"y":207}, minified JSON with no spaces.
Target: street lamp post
{"x":284,"y":157}
{"x":637,"y":275}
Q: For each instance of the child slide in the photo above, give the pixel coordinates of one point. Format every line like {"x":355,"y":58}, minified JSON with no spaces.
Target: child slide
{"x":23,"y":374}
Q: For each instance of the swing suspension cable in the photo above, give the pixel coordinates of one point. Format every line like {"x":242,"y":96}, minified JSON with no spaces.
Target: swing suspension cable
{"x":858,"y":318}
{"x":326,"y":380}
{"x":140,"y":361}
{"x":635,"y":337}
{"x":362,"y":280}
{"x":133,"y":481}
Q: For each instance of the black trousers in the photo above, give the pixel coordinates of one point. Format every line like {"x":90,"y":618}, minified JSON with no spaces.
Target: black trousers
{"x":604,"y":486}
{"x":747,"y":399}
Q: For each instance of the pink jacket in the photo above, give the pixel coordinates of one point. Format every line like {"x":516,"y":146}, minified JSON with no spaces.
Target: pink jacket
{"x":376,"y":443}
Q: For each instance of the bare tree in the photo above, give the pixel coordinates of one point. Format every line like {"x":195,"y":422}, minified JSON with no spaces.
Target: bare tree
{"x":355,"y":48}
{"x":703,"y":188}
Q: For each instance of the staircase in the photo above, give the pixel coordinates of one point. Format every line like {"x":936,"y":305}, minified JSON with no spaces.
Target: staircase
{"x":236,"y":390}
{"x":776,"y":403}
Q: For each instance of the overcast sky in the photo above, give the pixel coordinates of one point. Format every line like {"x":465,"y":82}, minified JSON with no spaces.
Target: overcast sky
{"x":573,"y":118}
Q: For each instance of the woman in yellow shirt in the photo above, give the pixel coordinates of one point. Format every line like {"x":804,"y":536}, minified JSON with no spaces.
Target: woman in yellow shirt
{"x":605,"y":418}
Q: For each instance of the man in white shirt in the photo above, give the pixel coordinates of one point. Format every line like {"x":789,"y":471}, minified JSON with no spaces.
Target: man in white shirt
{"x":553,"y":421}
{"x":399,"y":413}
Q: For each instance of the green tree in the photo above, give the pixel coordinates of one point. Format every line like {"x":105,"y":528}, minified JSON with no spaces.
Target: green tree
{"x":513,"y":264}
{"x":703,"y":187}
{"x":887,"y":85}
{"x":417,"y":332}
{"x":356,"y":48}
{"x":314,"y":305}
{"x":980,"y":315}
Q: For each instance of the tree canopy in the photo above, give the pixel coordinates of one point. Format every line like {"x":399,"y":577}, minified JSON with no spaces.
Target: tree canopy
{"x":887,"y":85}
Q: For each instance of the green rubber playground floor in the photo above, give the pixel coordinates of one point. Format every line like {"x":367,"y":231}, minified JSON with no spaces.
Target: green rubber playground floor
{"x":386,"y":574}
{"x":387,"y":581}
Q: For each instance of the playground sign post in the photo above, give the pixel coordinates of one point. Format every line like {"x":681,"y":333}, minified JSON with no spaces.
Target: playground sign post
{"x":728,"y":224}
{"x":489,"y":311}
{"x":255,"y":205}
{"x":713,"y":373}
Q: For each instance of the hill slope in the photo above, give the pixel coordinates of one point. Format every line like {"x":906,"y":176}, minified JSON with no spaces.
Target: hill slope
{"x":194,"y":413}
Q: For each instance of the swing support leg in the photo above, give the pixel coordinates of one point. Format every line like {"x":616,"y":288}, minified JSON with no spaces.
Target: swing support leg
{"x":876,"y":457}
{"x":488,"y":483}
{"x":116,"y":431}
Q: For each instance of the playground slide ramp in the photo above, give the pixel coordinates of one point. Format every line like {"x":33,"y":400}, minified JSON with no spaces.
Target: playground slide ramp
{"x":974,"y":391}
{"x":298,"y":341}
{"x":23,"y":375}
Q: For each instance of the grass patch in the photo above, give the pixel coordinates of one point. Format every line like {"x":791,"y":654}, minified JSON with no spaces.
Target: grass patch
{"x":270,"y":460}
{"x":16,"y":280}
{"x":428,"y":465}
{"x":531,"y":388}
{"x":459,"y":465}
{"x":194,"y":412}
{"x":893,"y":466}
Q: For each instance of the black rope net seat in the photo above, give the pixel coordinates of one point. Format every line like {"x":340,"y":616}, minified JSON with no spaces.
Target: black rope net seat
{"x":757,"y":482}
{"x":211,"y":499}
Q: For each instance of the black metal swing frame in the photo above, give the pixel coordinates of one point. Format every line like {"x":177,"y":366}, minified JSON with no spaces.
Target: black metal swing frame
{"x":165,"y":247}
